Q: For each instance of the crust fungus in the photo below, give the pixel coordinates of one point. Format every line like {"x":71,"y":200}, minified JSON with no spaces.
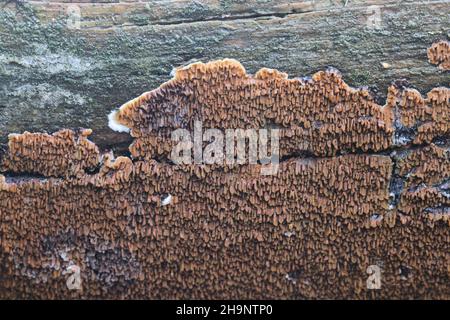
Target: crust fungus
{"x":323,"y":116}
{"x":439,"y":53}
{"x":64,"y":153}
{"x":426,"y":172}
{"x":420,"y":120}
{"x":320,"y":221}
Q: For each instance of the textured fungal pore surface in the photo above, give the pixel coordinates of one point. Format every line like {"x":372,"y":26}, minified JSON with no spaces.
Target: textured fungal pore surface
{"x":426,"y":171}
{"x":358,"y":185}
{"x":439,"y":54}
{"x":63,"y":153}
{"x":420,"y":120}
{"x":322,"y":116}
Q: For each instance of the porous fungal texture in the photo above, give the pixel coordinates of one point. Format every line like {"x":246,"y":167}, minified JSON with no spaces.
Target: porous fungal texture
{"x":321,"y":116}
{"x":62,"y":154}
{"x":361,"y":185}
{"x":420,"y":120}
{"x":426,"y":173}
{"x":439,"y":54}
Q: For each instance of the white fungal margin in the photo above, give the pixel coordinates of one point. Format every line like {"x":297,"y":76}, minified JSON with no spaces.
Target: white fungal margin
{"x":114,"y":125}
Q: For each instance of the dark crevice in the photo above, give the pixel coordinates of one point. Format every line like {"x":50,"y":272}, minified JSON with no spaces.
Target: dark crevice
{"x":17,"y":177}
{"x":228,"y":18}
{"x":300,"y":154}
{"x":405,"y":272}
{"x":3,"y":150}
{"x":397,"y":182}
{"x":118,"y":149}
{"x":93,"y":171}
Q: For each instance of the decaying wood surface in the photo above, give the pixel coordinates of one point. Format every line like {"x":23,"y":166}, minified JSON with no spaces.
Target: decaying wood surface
{"x":58,"y":71}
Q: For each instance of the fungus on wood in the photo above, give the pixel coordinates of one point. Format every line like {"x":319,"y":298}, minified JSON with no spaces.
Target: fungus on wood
{"x":309,"y":231}
{"x":439,"y":54}
{"x":64,"y":153}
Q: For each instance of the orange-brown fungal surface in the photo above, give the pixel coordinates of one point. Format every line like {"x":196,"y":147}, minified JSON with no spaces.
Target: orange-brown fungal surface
{"x":439,"y":54}
{"x":63,"y":153}
{"x":322,"y":116}
{"x":420,"y":120}
{"x":143,"y":227}
{"x":310,"y":231}
{"x":426,"y":189}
